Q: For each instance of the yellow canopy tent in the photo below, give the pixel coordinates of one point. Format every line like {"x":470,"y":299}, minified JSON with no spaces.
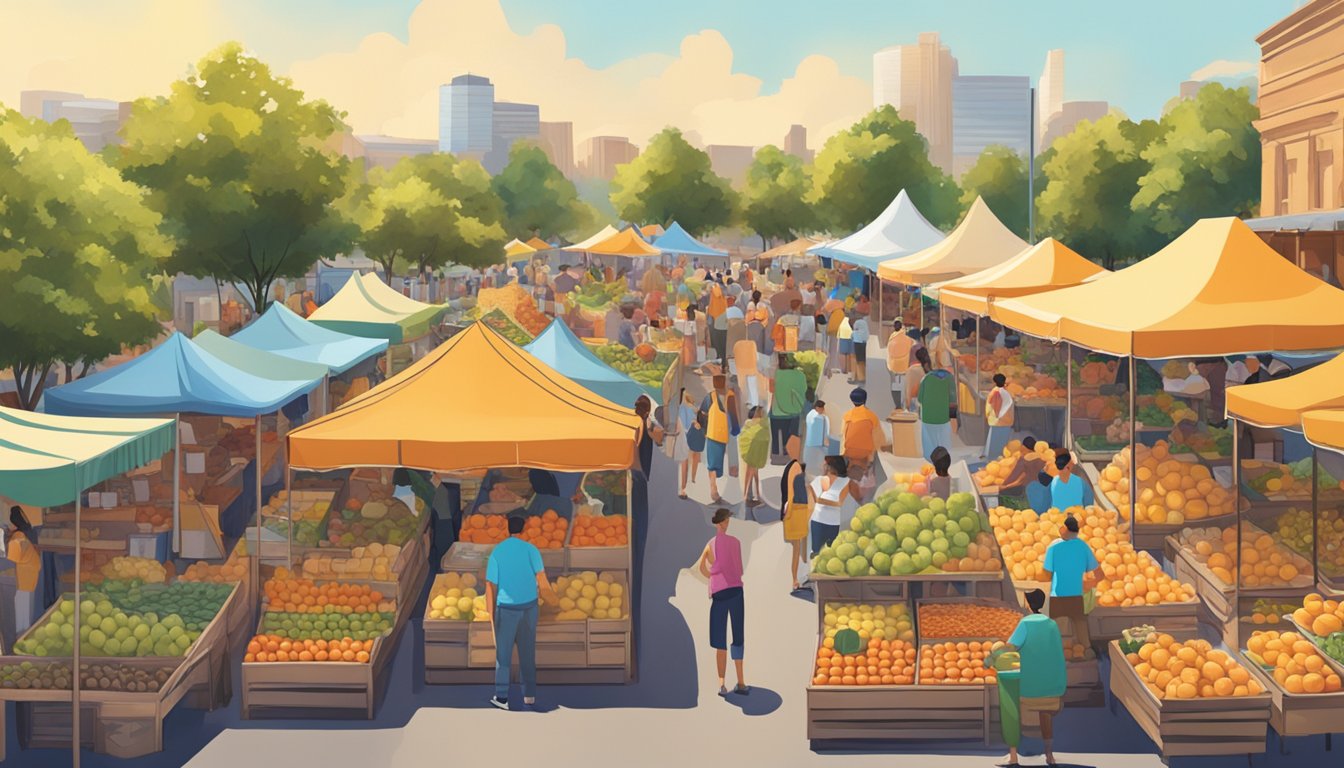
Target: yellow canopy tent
{"x":1280,"y":403}
{"x":627,"y":242}
{"x":979,"y":242}
{"x":1046,"y":266}
{"x":1325,"y":428}
{"x":651,"y":230}
{"x":795,"y":248}
{"x":1218,"y":289}
{"x":537,"y":244}
{"x":476,"y":401}
{"x":366,"y":306}
{"x":516,"y":247}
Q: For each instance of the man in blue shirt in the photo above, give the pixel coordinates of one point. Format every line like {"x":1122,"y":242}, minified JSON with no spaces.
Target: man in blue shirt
{"x":1067,"y":561}
{"x":816,"y":436}
{"x":1038,"y":493}
{"x":514,"y":576}
{"x":1068,"y":490}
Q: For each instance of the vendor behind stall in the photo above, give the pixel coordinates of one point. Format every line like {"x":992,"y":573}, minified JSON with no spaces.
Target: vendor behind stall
{"x":547,"y":494}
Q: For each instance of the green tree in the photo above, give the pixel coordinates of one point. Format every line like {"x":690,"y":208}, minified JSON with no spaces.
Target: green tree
{"x":1093,"y":175}
{"x":426,"y":211}
{"x":80,"y":255}
{"x":859,"y":171}
{"x":238,"y":163}
{"x":1206,"y":163}
{"x":672,"y":181}
{"x":537,"y":197}
{"x":1000,"y":177}
{"x":774,"y":201}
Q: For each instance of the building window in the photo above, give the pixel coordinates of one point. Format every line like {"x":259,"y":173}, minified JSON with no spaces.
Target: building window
{"x":1323,"y":196}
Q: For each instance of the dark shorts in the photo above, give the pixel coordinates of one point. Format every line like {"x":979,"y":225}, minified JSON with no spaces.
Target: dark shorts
{"x":727,"y":605}
{"x":861,"y":352}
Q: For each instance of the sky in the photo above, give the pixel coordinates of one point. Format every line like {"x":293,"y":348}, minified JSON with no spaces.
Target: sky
{"x":730,"y":71}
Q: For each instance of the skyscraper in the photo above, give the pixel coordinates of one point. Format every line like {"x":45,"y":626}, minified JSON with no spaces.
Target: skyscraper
{"x":511,"y":123}
{"x":989,"y":110}
{"x":557,"y":140}
{"x":467,"y":115}
{"x":917,"y":81}
{"x":599,"y":156}
{"x":795,"y":143}
{"x":1050,"y":93}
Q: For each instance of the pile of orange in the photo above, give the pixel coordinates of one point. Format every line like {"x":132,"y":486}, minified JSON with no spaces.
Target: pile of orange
{"x":1319,"y":616}
{"x":1267,"y":563}
{"x":959,"y":663}
{"x":886,"y":662}
{"x":600,"y":531}
{"x":1193,"y":669}
{"x":998,"y":468}
{"x":1023,"y":536}
{"x":1138,"y":580}
{"x":307,"y":596}
{"x":1171,"y":490}
{"x":266,"y":648}
{"x":1298,"y":666}
{"x":235,"y":569}
{"x":485,"y":529}
{"x":545,"y":532}
{"x":966,"y":620}
{"x":980,"y":557}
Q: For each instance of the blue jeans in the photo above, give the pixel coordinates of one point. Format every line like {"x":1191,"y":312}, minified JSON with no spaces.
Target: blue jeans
{"x":516,"y":624}
{"x":727,"y":606}
{"x":933,"y":435}
{"x":995,"y":440}
{"x":822,"y":535}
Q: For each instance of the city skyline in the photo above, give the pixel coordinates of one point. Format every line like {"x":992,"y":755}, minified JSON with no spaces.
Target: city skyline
{"x":711,"y":80}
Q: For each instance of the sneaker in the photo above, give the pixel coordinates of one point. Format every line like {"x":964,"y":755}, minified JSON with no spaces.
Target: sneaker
{"x":499,"y":703}
{"x":742,"y":689}
{"x":723,"y":691}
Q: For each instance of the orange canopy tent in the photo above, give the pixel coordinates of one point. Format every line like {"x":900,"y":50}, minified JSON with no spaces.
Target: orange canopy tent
{"x":1046,"y":266}
{"x":1218,"y":289}
{"x":1280,"y":403}
{"x":627,"y":242}
{"x":477,"y":401}
{"x":1325,"y":428}
{"x":979,"y":242}
{"x":539,"y":244}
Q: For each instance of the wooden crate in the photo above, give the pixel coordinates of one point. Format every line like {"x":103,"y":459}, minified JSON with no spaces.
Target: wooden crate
{"x":469,"y":557}
{"x":838,"y":714}
{"x":1181,"y":727}
{"x":1299,"y":714}
{"x":1083,"y":684}
{"x":597,"y":558}
{"x":1180,"y":620}
{"x":980,"y":601}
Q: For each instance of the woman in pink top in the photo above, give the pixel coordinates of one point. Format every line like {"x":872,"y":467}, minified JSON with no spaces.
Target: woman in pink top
{"x":721,"y":563}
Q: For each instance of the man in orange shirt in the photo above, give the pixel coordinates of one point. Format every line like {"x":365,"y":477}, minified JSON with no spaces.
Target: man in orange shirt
{"x":860,"y":435}
{"x":898,"y":362}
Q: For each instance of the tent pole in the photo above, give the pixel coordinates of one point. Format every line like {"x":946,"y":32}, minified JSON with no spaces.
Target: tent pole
{"x":1134,"y":459}
{"x":977,"y":360}
{"x":879,"y":305}
{"x":1068,"y":398}
{"x":74,"y":668}
{"x":177,"y":483}
{"x":326,"y":393}
{"x":256,"y":421}
{"x":289,"y":519}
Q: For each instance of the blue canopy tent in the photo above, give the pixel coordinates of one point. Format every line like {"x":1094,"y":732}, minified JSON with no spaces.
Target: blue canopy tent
{"x":177,"y":377}
{"x":676,"y":240}
{"x":281,"y":331}
{"x":558,"y":347}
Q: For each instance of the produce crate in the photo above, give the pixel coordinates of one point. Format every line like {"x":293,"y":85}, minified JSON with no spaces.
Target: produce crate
{"x":330,"y":690}
{"x":1180,"y":620}
{"x":469,"y":557}
{"x":964,"y":601}
{"x":838,"y":716}
{"x":1299,"y":714}
{"x":1181,"y":727}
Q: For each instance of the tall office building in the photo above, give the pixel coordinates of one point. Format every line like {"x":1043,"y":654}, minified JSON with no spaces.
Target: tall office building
{"x":557,"y":141}
{"x":599,"y":156}
{"x":795,"y":143}
{"x":1068,"y":118}
{"x":511,"y":123}
{"x":95,"y":122}
{"x":989,"y":110}
{"x":917,"y":81}
{"x":1050,"y":92}
{"x":730,"y":161}
{"x":467,"y":115}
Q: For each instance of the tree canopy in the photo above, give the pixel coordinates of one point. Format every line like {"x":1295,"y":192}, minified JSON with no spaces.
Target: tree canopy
{"x":537,"y":197}
{"x":859,"y":171}
{"x":238,"y":163}
{"x":774,"y":201}
{"x":672,"y":181}
{"x":999,"y":176}
{"x":80,"y":255}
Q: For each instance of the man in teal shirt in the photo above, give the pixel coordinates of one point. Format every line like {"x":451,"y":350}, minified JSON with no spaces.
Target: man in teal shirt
{"x":787,"y":401}
{"x":1042,"y":678}
{"x":514,"y":576}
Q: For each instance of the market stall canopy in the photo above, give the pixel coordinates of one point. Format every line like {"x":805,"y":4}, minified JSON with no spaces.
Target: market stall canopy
{"x":1324,"y":428}
{"x":798,"y":247}
{"x":1218,"y":289}
{"x":627,"y":242}
{"x":898,"y":231}
{"x":367,"y":307}
{"x":516,"y":247}
{"x":538,"y":244}
{"x":284,"y":333}
{"x":979,"y":242}
{"x":476,"y":401}
{"x":260,"y":363}
{"x":1280,"y":403}
{"x":558,"y":347}
{"x":1045,"y":266}
{"x":651,"y":230}
{"x":678,"y":241}
{"x":175,"y":377}
{"x":605,"y":234}
{"x":47,"y":460}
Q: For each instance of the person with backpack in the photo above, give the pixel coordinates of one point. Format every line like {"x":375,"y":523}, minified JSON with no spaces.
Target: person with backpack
{"x":788,"y":398}
{"x":935,"y":393}
{"x":718,"y":412}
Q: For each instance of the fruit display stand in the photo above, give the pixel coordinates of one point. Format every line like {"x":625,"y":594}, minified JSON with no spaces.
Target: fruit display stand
{"x":125,"y":723}
{"x":1179,"y":619}
{"x":1299,"y":714}
{"x":1191,"y":727}
{"x":1148,"y":535}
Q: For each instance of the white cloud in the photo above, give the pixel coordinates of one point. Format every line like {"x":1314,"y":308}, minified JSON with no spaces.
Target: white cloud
{"x":1224,"y":68}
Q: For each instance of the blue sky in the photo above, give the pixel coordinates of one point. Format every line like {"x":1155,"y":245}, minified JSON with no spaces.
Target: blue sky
{"x":1133,"y":54}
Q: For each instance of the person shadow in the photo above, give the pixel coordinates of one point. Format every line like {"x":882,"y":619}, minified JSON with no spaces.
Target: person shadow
{"x":759,"y":701}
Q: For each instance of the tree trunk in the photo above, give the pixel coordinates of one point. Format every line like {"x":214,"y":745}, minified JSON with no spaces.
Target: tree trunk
{"x":29,"y":384}
{"x":764,"y":245}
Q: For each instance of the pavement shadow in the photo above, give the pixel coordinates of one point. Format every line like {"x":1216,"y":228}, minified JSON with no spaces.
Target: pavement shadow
{"x":759,"y":701}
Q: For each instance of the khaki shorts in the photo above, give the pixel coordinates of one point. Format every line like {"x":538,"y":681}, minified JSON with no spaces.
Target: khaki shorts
{"x":1042,"y":705}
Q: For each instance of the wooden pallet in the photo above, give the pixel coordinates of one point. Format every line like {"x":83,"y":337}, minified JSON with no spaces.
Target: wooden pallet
{"x":330,"y":690}
{"x":1181,"y":727}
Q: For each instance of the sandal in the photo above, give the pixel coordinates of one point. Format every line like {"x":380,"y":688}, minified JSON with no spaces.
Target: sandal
{"x":742,"y":689}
